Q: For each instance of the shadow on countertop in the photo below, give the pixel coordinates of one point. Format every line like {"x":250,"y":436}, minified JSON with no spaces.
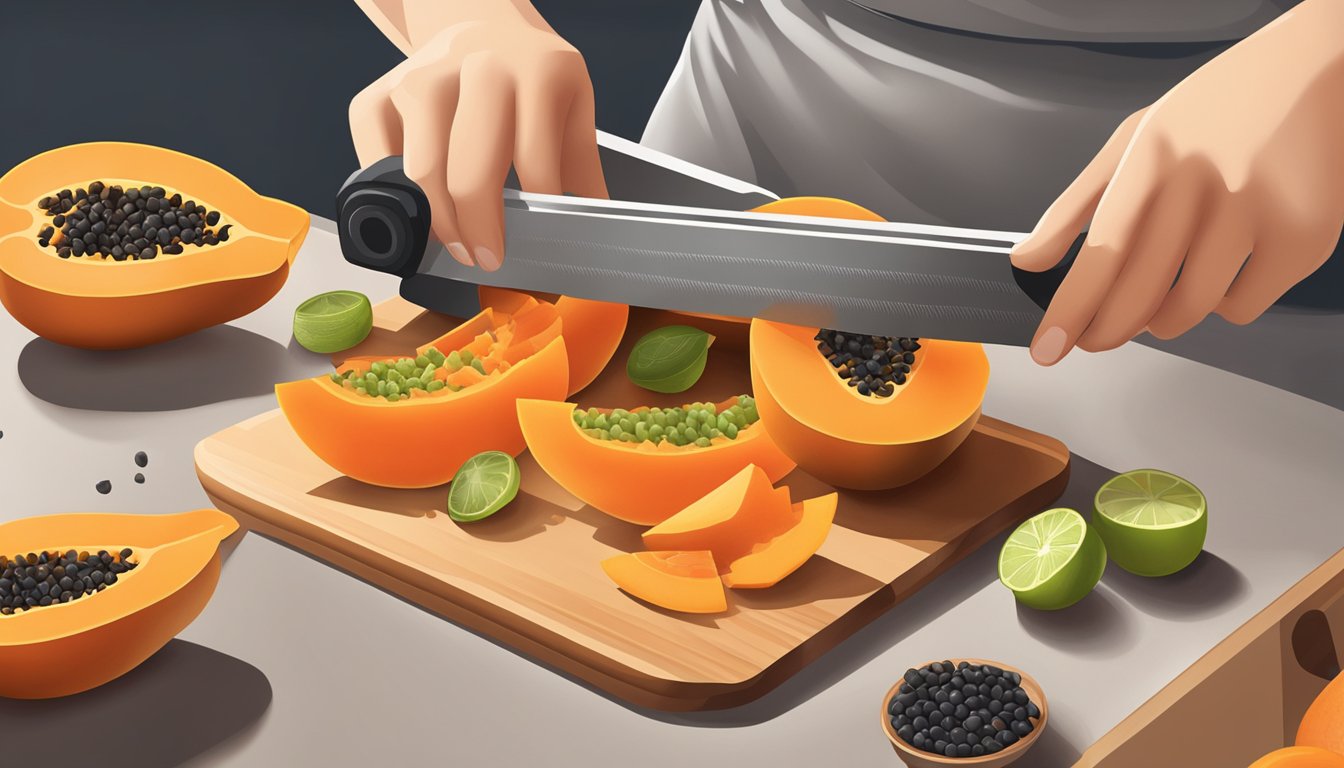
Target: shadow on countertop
{"x":183,"y":701}
{"x":211,"y":366}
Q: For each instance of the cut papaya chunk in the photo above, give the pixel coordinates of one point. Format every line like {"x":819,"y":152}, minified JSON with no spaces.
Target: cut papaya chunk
{"x":592,"y":329}
{"x":66,"y":648}
{"x":99,"y":304}
{"x":678,"y":581}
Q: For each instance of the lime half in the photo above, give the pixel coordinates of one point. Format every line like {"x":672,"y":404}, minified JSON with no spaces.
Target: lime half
{"x":483,"y":486}
{"x":1153,"y":522}
{"x":1052,"y":560}
{"x":331,"y":322}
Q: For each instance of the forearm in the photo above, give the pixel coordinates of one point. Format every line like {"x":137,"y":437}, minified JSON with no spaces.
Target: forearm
{"x":409,"y":23}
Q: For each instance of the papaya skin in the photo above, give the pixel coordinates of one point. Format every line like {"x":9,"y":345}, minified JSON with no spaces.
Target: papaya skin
{"x":345,"y":428}
{"x":1300,"y":757}
{"x":592,"y":329}
{"x":65,"y":649}
{"x":96,"y":304}
{"x":638,"y":483}
{"x":686,"y":582}
{"x":1323,"y":724}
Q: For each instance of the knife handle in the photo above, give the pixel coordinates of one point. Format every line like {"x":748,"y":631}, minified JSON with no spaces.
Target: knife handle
{"x":382,"y":219}
{"x":1041,"y":286}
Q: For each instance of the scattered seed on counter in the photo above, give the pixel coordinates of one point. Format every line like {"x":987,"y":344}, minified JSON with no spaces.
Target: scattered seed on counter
{"x":962,"y":710}
{"x":873,"y":365}
{"x":141,"y":459}
{"x":137,"y":223}
{"x":49,"y":578}
{"x":104,"y":487}
{"x":140,"y":478}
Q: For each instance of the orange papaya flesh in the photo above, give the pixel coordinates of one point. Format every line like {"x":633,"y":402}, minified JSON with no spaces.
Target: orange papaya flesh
{"x":592,"y":329}
{"x":639,"y":482}
{"x":71,"y":647}
{"x":679,"y":581}
{"x":98,"y":304}
{"x":472,"y":412}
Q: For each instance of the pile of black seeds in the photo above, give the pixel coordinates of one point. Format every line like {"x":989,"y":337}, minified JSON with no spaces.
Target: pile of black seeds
{"x":874,"y":365}
{"x":138,"y":224}
{"x":962,"y":710}
{"x":36,"y":580}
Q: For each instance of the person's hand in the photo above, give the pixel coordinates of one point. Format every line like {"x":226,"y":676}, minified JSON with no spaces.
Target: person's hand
{"x":473,"y":99}
{"x":1231,"y":186}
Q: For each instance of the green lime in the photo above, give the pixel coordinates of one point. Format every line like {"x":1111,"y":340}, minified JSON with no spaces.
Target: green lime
{"x":331,"y":322}
{"x":1153,"y":522}
{"x":1052,"y":560}
{"x":669,"y":359}
{"x":483,"y":486}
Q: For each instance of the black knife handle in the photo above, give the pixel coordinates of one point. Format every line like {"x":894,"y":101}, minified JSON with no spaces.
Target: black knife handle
{"x":383,"y":219}
{"x":1041,"y":286}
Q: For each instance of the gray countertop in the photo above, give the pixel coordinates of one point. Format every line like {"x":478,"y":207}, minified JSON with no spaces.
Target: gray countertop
{"x":296,"y":663}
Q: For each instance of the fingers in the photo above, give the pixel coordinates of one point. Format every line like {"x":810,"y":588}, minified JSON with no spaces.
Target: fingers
{"x":581,"y":165}
{"x":426,"y":100}
{"x":542,"y":106}
{"x":1150,"y":268}
{"x":1217,"y":251}
{"x":480,"y":151}
{"x":1109,"y":243}
{"x":1065,"y":218}
{"x":375,"y":126}
{"x":1270,"y":272}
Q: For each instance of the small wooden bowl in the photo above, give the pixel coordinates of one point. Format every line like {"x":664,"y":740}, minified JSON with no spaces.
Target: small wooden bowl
{"x":918,"y":758}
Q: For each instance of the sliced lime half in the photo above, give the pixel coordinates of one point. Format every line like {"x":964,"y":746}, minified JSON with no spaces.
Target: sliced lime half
{"x":1153,"y":522}
{"x":1052,"y":560}
{"x":485,"y":484}
{"x":334,"y":321}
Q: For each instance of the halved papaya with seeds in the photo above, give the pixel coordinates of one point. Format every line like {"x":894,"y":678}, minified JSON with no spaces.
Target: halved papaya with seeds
{"x":69,"y":647}
{"x":420,"y":439}
{"x":642,"y":481}
{"x":592,"y":329}
{"x":99,"y":304}
{"x":678,"y":581}
{"x":755,"y":534}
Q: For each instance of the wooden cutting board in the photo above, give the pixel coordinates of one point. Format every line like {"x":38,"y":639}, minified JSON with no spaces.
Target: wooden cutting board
{"x":530,"y":577}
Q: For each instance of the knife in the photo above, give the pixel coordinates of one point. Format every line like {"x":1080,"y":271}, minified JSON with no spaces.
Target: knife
{"x":861,"y":277}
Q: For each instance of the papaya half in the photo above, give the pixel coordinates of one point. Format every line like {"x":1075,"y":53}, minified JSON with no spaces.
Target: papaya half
{"x":102,"y":304}
{"x":592,"y":329}
{"x":421,"y":440}
{"x":854,"y":440}
{"x":639,"y":482}
{"x":66,"y":648}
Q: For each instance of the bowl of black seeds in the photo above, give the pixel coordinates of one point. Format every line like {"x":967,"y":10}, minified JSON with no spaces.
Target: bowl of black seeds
{"x":963,"y":712}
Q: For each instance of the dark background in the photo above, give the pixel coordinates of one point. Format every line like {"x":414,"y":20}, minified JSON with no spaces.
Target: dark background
{"x":260,"y":87}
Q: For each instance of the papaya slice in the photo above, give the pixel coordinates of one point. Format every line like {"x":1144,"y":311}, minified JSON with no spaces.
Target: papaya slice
{"x":98,"y":304}
{"x":592,"y":329}
{"x":356,"y":433}
{"x":678,"y":581}
{"x":640,"y":482}
{"x":1300,"y":757}
{"x":66,"y":648}
{"x":851,"y":440}
{"x":1323,"y":724}
{"x":756,"y":535}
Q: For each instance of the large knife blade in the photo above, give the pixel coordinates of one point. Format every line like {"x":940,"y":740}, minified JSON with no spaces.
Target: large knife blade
{"x":856,"y":276}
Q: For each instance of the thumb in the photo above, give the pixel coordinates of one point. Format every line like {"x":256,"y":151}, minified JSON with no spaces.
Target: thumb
{"x":1065,"y":218}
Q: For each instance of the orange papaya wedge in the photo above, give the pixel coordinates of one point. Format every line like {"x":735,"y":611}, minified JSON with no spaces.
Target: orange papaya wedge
{"x":474,"y":413}
{"x":99,"y":304}
{"x":678,"y":581}
{"x":66,"y":648}
{"x":642,"y":483}
{"x":592,"y":329}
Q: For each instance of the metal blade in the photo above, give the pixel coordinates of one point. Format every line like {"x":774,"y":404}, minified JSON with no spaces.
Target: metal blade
{"x":862,"y":277}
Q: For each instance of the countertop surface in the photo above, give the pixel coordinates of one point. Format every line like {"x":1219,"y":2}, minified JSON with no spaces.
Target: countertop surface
{"x":296,"y":663}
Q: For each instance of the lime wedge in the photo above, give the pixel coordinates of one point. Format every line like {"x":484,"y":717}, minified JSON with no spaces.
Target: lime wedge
{"x":1153,"y":522}
{"x":483,"y":486}
{"x":331,"y":322}
{"x":1052,"y":560}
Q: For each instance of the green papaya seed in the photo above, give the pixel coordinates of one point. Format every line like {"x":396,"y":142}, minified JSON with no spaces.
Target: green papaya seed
{"x":467,"y":356}
{"x":702,"y":442}
{"x":454,"y":361}
{"x":422,"y":360}
{"x":730,"y":432}
{"x":669,"y":359}
{"x":615,"y":431}
{"x":435,"y":356}
{"x":434,"y":386}
{"x":478,"y":365}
